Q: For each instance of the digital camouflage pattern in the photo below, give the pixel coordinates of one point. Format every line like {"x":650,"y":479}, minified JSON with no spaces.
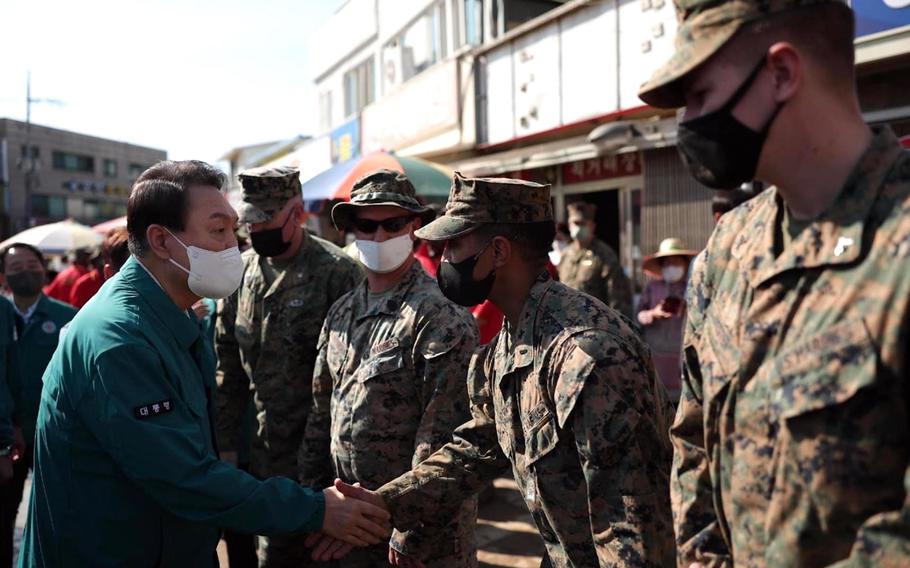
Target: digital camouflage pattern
{"x":570,"y":398}
{"x":704,"y":27}
{"x":381,"y":187}
{"x":265,"y":191}
{"x":477,"y":201}
{"x":792,"y":437}
{"x":266,"y":338}
{"x":389,"y":389}
{"x":595,"y":270}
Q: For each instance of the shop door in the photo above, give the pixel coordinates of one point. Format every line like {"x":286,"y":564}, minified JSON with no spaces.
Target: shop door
{"x":608,"y":218}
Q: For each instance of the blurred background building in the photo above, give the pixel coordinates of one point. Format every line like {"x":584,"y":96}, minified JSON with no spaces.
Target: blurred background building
{"x":49,"y":175}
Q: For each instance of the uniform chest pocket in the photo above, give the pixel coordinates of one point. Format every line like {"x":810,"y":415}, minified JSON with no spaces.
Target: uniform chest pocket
{"x":541,"y":432}
{"x":823,"y":372}
{"x":387,"y":361}
{"x":840,"y":448}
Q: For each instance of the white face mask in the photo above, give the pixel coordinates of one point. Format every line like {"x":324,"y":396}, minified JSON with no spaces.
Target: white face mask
{"x":386,"y":256}
{"x":212,"y":274}
{"x":673,"y":273}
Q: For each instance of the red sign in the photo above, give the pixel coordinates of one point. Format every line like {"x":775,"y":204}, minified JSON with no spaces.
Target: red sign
{"x":906,"y":141}
{"x":606,"y":167}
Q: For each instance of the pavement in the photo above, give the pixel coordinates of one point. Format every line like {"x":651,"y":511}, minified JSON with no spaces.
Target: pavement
{"x":506,"y":536}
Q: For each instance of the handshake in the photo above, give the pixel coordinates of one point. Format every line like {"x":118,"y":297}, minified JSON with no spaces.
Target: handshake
{"x":354,"y":516}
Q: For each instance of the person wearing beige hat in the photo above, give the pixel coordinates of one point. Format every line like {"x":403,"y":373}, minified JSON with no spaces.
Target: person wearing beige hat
{"x":661,"y":309}
{"x":792,"y":439}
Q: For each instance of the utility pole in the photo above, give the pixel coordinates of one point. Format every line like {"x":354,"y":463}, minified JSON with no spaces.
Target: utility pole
{"x":28,"y":163}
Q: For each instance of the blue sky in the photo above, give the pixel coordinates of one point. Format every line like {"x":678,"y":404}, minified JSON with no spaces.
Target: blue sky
{"x":193,"y":77}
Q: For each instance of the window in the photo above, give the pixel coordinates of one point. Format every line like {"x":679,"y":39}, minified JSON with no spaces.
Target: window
{"x":417,"y":48}
{"x":359,"y":90}
{"x":472,"y":21}
{"x":35,"y":153}
{"x":110,"y":168}
{"x":73,"y":162}
{"x":135,"y":170}
{"x":48,"y":206}
{"x":325,"y":111}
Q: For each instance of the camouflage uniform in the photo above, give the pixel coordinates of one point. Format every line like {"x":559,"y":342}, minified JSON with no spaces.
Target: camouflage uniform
{"x":792,"y":440}
{"x":595,"y":269}
{"x":266,"y":338}
{"x":570,"y":399}
{"x":388,"y":390}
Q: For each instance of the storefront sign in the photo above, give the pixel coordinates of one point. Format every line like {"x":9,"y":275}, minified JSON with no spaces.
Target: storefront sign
{"x":346,"y":141}
{"x":605,"y":167}
{"x":873,"y":16}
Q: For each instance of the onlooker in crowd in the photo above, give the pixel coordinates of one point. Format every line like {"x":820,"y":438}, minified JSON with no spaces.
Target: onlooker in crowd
{"x":266,"y":334}
{"x":562,"y":240}
{"x":591,"y":266}
{"x":792,"y":439}
{"x":61,"y":286}
{"x":389,"y":387}
{"x":126,"y":470}
{"x":38,"y":320}
{"x":566,"y":394}
{"x":662,"y":309}
{"x":9,"y":368}
{"x":114,"y":252}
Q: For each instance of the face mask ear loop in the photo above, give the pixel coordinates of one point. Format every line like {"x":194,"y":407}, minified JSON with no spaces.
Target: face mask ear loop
{"x":171,"y":259}
{"x":743,"y":89}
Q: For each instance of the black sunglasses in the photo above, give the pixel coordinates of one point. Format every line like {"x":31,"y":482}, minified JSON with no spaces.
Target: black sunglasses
{"x":392,"y":225}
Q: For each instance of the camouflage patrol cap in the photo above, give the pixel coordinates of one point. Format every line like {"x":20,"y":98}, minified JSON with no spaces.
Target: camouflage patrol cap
{"x":381,"y":187}
{"x":482,"y":201}
{"x":586,"y":211}
{"x":265,"y":191}
{"x":704,"y":27}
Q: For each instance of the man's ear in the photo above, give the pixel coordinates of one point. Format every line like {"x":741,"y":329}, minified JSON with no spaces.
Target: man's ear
{"x":157,"y":239}
{"x":502,"y":251}
{"x":416,"y":224}
{"x":786,"y":67}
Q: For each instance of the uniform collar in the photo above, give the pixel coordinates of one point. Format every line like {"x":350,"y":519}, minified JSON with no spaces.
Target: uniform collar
{"x":514,"y":348}
{"x":290,"y":275}
{"x":184,"y":328}
{"x":393,"y":299}
{"x":32,"y":310}
{"x":836,"y":237}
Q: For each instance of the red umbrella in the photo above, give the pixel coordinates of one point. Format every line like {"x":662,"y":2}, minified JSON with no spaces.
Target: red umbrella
{"x":429,"y":179}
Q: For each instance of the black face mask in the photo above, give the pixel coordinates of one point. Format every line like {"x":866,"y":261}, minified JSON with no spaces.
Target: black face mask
{"x":456,"y":280}
{"x":269,"y":242}
{"x":720,"y":151}
{"x":26,"y":284}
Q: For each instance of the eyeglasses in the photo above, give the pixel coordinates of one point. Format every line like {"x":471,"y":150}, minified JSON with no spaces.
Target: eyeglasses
{"x":392,"y":225}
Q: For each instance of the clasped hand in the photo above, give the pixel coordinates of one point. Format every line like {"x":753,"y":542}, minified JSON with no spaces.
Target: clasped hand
{"x":354,"y":516}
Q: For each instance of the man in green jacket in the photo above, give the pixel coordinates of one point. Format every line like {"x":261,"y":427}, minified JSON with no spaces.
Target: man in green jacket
{"x":38,"y":319}
{"x":126,"y":468}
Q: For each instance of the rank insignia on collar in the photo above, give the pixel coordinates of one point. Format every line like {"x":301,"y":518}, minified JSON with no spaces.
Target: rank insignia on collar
{"x":153,"y":409}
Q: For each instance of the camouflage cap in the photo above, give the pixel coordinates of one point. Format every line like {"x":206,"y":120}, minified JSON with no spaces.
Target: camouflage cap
{"x":381,"y":187}
{"x":704,"y":27}
{"x":481,"y":201}
{"x":586,"y":211}
{"x":265,"y":191}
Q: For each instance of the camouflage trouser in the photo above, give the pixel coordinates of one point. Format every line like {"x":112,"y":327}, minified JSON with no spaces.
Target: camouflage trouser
{"x":284,"y":552}
{"x":378,"y":557}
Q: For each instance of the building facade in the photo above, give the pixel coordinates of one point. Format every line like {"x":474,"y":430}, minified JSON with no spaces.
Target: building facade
{"x":549,"y":93}
{"x":47,"y":175}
